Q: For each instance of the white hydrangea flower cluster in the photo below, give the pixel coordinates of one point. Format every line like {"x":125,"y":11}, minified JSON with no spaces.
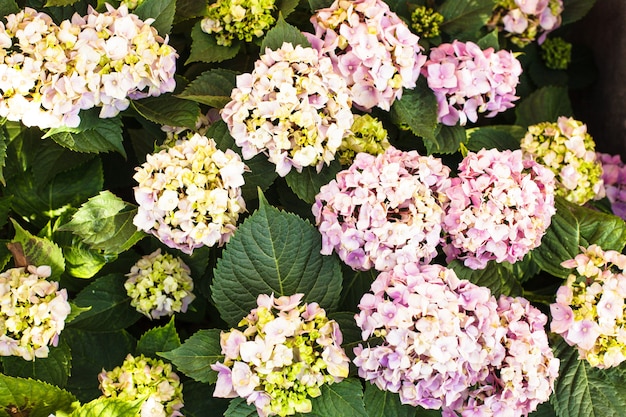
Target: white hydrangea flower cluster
{"x":159,"y":285}
{"x":189,"y":195}
{"x":32,"y":312}
{"x":50,"y":72}
{"x":293,"y":107}
{"x":144,"y":377}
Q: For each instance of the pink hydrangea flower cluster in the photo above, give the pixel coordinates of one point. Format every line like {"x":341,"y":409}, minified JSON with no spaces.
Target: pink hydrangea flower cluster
{"x":293,"y":107}
{"x":383,"y":210}
{"x":447,"y":343}
{"x":467,"y":81}
{"x":49,"y":72}
{"x":523,"y":20}
{"x":371,"y":47}
{"x":589,"y":311}
{"x":614,"y":178}
{"x":189,"y":194}
{"x":32,"y":312}
{"x":281,"y":357}
{"x":500,"y":207}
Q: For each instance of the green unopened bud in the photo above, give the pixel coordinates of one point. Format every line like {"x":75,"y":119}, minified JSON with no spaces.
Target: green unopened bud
{"x":556,"y":53}
{"x":425,"y":21}
{"x":368,"y":135}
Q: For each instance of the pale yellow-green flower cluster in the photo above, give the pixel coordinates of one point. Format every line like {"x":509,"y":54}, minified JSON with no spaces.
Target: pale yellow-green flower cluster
{"x":367,"y":135}
{"x":159,"y":285}
{"x":243,"y":20}
{"x":32,"y":312}
{"x":569,"y":151}
{"x":425,"y":22}
{"x":143,"y":377}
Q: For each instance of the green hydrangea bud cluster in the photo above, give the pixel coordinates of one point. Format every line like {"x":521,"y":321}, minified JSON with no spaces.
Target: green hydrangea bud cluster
{"x":368,"y":135}
{"x":143,"y":377}
{"x":425,"y":22}
{"x":159,"y":285}
{"x":568,"y":150}
{"x":32,"y":312}
{"x":176,"y":133}
{"x":238,"y":19}
{"x":132,"y":4}
{"x":556,"y":53}
{"x":281,"y":357}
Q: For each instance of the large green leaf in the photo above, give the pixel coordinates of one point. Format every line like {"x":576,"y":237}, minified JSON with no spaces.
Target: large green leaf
{"x":27,"y":397}
{"x":239,"y":408}
{"x":109,"y":407}
{"x":199,"y":398}
{"x":188,"y":9}
{"x":380,"y":403}
{"x":417,"y":112}
{"x":447,"y":141}
{"x":158,"y":339}
{"x":81,"y":261}
{"x":344,"y":399}
{"x":212,"y":87}
{"x":307,"y":184}
{"x":51,"y":158}
{"x":8,"y":7}
{"x":574,"y":10}
{"x":40,"y":251}
{"x":464,"y":19}
{"x":499,"y":137}
{"x":283,"y":32}
{"x":544,"y":105}
{"x":574,"y":226}
{"x":495,"y":276}
{"x":110,"y":305}
{"x":54,"y":369}
{"x":162,"y":11}
{"x":582,"y":390}
{"x":204,"y":47}
{"x":105,"y":222}
{"x":169,"y":110}
{"x":196,"y":355}
{"x":274,"y":252}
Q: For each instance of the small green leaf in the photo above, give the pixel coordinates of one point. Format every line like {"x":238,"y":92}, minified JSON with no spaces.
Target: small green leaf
{"x":490,"y":40}
{"x":33,"y":398}
{"x":380,"y":403}
{"x":109,"y":407}
{"x":204,"y":47}
{"x":544,"y":105}
{"x":158,"y":339}
{"x":168,"y":110}
{"x":54,"y":369}
{"x":239,"y":408}
{"x":464,"y":19}
{"x":315,"y":5}
{"x":212,"y":88}
{"x":574,"y":10}
{"x":307,"y":184}
{"x":8,"y":7}
{"x":40,"y":251}
{"x":196,"y":355}
{"x":283,"y":32}
{"x":274,"y":252}
{"x":162,"y":11}
{"x":498,"y":137}
{"x":110,"y":305}
{"x":344,"y":399}
{"x":81,"y":261}
{"x":285,"y":7}
{"x":417,"y":111}
{"x":105,"y":222}
{"x":447,"y":141}
{"x":189,"y":9}
{"x":495,"y":276}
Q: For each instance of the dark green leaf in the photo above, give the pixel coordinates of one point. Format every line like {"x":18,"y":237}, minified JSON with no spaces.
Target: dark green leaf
{"x":61,"y":3}
{"x":188,"y":9}
{"x":110,"y":305}
{"x":489,"y":137}
{"x":51,"y":159}
{"x":33,"y":398}
{"x":343,"y":399}
{"x":109,"y":407}
{"x":204,"y":47}
{"x":350,"y":331}
{"x":8,"y":7}
{"x":285,"y":7}
{"x":544,"y":410}
{"x":196,"y":355}
{"x":55,"y":369}
{"x":158,"y":339}
{"x":40,"y":251}
{"x":574,"y":10}
{"x":168,"y":110}
{"x":307,"y":184}
{"x":212,"y":88}
{"x":162,"y":11}
{"x":380,"y":403}
{"x":5,"y":208}
{"x":199,"y":398}
{"x":544,"y":105}
{"x":319,"y":4}
{"x":448,"y":140}
{"x":355,"y":284}
{"x":274,"y":252}
{"x":417,"y":111}
{"x":490,"y":40}
{"x":495,"y":276}
{"x":283,"y":32}
{"x":464,"y":19}
{"x":239,"y":408}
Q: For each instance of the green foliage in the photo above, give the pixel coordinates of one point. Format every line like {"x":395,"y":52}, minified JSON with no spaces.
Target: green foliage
{"x":54,"y":369}
{"x":417,"y":112}
{"x":283,"y":32}
{"x":343,"y":399}
{"x":307,"y":184}
{"x":574,"y":10}
{"x":168,"y":110}
{"x":384,"y":403}
{"x":204,"y":47}
{"x":499,"y":137}
{"x":108,"y":407}
{"x":464,"y":19}
{"x":495,"y":277}
{"x":32,"y":398}
{"x":158,"y":339}
{"x":39,"y":251}
{"x":212,"y":88}
{"x":196,"y":355}
{"x":162,"y":11}
{"x":546,"y":104}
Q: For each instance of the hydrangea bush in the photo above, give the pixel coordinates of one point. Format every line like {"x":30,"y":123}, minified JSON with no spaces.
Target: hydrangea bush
{"x":349,"y":208}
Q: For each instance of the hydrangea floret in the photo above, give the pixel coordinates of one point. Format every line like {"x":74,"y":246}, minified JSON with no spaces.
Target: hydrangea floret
{"x":32,"y":312}
{"x":293,"y":107}
{"x":556,"y":53}
{"x":281,"y":356}
{"x":589,"y":312}
{"x":425,"y":22}
{"x":383,"y":210}
{"x":50,"y":72}
{"x":366,"y":135}
{"x":527,"y":20}
{"x":500,"y":207}
{"x":614,"y":179}
{"x":371,"y":47}
{"x":568,"y":150}
{"x":467,"y":81}
{"x":189,"y":195}
{"x":244,"y":20}
{"x":145,"y":377}
{"x":159,"y":285}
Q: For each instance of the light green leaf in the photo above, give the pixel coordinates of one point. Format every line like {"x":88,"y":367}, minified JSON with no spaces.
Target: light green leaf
{"x":573,"y":226}
{"x":158,"y":339}
{"x":344,"y":399}
{"x":105,"y":222}
{"x":196,"y":355}
{"x":83,"y":262}
{"x":498,"y":137}
{"x":464,"y":19}
{"x":162,"y":11}
{"x":60,"y":3}
{"x":239,"y":408}
{"x":380,"y":403}
{"x":543,"y":105}
{"x":283,"y":32}
{"x":40,"y":251}
{"x":204,"y":47}
{"x":109,"y":407}
{"x":169,"y":110}
{"x":495,"y":276}
{"x":54,"y":369}
{"x":490,"y":40}
{"x":274,"y":252}
{"x":574,"y":10}
{"x":212,"y":88}
{"x":448,"y":140}
{"x":585,"y":391}
{"x":307,"y":184}
{"x":417,"y":111}
{"x":33,"y":398}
